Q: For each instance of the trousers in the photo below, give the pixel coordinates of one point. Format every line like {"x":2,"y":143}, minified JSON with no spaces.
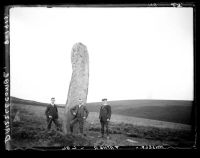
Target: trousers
{"x":104,"y":124}
{"x":49,"y":122}
{"x":77,"y":120}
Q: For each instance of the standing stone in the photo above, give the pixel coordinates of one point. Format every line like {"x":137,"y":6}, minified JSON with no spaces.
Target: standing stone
{"x":79,"y":81}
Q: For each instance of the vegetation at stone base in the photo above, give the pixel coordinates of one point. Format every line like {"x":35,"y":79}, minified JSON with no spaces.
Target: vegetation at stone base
{"x":31,"y":131}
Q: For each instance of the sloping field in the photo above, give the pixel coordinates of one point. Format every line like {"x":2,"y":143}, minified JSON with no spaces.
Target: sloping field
{"x":39,"y":112}
{"x":93,"y":118}
{"x":160,"y":110}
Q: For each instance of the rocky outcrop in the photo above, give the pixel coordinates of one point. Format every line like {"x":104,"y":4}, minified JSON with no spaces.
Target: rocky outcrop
{"x":17,"y":117}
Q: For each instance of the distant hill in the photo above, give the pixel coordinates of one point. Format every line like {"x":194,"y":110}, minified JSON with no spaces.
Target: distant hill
{"x":163,"y":110}
{"x":26,"y":102}
{"x":178,"y":111}
{"x":140,"y":103}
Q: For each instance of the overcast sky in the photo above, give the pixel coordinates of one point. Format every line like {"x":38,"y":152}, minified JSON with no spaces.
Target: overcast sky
{"x":134,"y":53}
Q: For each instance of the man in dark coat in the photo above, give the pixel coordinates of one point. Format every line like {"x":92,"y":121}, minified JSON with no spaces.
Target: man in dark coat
{"x":52,"y":115}
{"x":104,"y":116}
{"x":80,"y":114}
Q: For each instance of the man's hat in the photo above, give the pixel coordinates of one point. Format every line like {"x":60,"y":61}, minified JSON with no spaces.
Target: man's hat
{"x":104,"y":99}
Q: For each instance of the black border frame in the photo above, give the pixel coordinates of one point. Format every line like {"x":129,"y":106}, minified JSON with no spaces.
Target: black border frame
{"x":6,"y":57}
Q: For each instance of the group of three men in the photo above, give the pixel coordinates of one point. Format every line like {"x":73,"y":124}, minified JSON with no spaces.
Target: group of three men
{"x":80,"y":113}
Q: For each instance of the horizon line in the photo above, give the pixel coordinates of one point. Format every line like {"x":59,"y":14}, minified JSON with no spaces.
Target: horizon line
{"x":108,"y":100}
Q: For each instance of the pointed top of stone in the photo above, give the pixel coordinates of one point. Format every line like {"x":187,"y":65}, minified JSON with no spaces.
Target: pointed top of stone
{"x":79,"y":44}
{"x":79,"y":53}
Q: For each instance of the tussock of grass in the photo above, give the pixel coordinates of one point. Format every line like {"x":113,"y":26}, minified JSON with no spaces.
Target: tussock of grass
{"x":31,"y":131}
{"x":38,"y":135}
{"x":152,"y":133}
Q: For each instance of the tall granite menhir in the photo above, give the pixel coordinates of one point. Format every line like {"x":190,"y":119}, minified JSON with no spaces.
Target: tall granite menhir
{"x":79,"y":81}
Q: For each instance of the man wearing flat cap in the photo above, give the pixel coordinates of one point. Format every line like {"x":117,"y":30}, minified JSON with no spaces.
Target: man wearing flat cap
{"x":104,"y":116}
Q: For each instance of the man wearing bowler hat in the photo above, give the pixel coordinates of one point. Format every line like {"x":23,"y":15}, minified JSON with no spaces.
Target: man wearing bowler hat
{"x":104,"y":116}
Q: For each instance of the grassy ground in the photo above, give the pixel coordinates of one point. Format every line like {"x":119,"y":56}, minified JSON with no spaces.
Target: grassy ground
{"x":31,"y":131}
